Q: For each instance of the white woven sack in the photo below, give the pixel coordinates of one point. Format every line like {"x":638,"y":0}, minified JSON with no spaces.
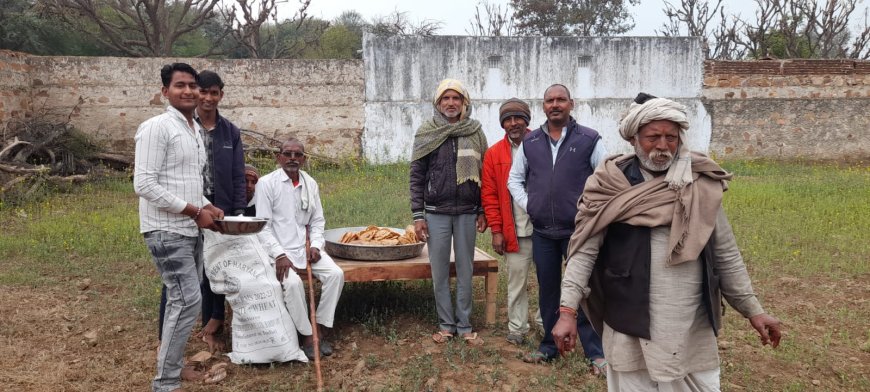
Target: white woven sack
{"x":238,"y":267}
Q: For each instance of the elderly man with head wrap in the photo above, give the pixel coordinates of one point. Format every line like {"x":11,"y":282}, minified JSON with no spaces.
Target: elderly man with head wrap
{"x":445,"y":202}
{"x":652,"y":255}
{"x":252,"y":176}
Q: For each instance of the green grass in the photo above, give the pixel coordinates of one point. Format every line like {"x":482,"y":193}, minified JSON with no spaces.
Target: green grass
{"x":801,"y":219}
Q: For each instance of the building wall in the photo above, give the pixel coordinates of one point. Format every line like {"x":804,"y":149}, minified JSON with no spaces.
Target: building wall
{"x":778,"y":109}
{"x":320,"y":102}
{"x":15,"y":103}
{"x":787,"y":109}
{"x":603,"y":74}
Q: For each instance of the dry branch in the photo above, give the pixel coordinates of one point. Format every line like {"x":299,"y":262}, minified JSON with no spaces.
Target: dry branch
{"x":14,"y":169}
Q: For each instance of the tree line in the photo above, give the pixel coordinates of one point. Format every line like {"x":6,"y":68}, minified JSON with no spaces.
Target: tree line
{"x":253,"y":29}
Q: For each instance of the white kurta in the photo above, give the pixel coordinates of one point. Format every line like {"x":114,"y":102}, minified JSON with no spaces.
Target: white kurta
{"x":682,"y":340}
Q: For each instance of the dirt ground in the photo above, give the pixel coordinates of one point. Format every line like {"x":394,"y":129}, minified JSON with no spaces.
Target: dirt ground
{"x":77,"y":338}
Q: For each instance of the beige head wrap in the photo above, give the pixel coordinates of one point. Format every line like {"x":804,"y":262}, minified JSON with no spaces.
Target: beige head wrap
{"x":455,"y":85}
{"x":638,"y":115}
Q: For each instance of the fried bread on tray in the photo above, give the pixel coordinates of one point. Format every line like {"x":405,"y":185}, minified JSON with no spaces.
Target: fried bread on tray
{"x":374,"y":235}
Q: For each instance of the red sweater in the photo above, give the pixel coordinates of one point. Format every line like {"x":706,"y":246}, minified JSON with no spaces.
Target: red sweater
{"x":494,"y":194}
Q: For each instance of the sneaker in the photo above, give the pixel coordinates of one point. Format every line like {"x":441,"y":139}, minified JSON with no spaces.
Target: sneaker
{"x":517,"y":339}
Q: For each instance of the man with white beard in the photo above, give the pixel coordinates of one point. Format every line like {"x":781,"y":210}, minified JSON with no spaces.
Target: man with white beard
{"x":652,"y":256}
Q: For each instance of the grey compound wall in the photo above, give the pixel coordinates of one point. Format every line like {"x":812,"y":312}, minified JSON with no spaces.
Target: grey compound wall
{"x":604,"y":74}
{"x":318,"y":101}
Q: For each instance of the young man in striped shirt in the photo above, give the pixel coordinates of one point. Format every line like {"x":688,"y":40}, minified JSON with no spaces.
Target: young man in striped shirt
{"x":172,"y":209}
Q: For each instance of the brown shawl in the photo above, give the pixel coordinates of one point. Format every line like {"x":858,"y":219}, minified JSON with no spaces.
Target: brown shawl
{"x":691,"y":211}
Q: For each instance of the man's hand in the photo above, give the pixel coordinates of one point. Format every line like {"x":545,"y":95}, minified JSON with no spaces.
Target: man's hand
{"x":481,"y":223}
{"x":769,"y":329}
{"x":217,"y":212}
{"x":498,"y":243}
{"x":421,"y":229}
{"x":206,"y":217}
{"x":313,"y":255}
{"x":282,"y":267}
{"x":565,"y":334}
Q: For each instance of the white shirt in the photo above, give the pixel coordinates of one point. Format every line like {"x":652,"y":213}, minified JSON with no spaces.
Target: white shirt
{"x":517,"y":177}
{"x":279,"y":201}
{"x":168,"y":173}
{"x":522,"y":221}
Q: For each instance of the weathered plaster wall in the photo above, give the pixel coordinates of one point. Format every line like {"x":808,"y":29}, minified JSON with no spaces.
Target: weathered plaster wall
{"x":320,"y":102}
{"x":15,"y":103}
{"x":604,"y":74}
{"x":786,"y":109}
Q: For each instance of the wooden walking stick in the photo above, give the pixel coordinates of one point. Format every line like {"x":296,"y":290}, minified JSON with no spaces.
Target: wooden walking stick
{"x":312,"y":309}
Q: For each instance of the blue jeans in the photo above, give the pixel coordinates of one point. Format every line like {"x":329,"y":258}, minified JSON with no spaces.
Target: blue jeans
{"x":549,"y":254}
{"x":178,"y":259}
{"x":212,"y":305}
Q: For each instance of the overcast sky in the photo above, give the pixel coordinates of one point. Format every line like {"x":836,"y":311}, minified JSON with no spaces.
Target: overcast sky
{"x":456,"y":14}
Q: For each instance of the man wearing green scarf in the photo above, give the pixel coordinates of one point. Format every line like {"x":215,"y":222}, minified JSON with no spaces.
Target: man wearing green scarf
{"x":445,"y":202}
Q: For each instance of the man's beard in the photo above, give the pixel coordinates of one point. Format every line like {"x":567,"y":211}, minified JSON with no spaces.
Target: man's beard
{"x":647,"y":160}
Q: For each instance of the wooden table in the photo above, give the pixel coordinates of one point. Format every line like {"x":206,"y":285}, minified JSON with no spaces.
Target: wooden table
{"x":419,"y":268}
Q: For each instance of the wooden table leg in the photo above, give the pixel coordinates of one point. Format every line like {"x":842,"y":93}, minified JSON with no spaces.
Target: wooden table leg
{"x":491,"y":294}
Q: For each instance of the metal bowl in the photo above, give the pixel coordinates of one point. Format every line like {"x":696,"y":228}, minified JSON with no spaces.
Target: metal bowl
{"x":241,"y":225}
{"x":335,"y":248}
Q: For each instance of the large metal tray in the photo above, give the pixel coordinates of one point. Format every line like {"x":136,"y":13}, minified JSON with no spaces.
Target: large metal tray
{"x":241,"y":225}
{"x":368,"y":252}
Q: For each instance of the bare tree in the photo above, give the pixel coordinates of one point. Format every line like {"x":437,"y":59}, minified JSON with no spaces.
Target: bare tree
{"x":255,"y":27}
{"x":827,"y":29}
{"x":755,"y":36}
{"x":726,"y":39}
{"x":136,"y":28}
{"x":246,"y":28}
{"x":695,"y":15}
{"x":784,"y":28}
{"x":398,"y":23}
{"x":493,"y":21}
{"x":694,"y":18}
{"x":860,"y":47}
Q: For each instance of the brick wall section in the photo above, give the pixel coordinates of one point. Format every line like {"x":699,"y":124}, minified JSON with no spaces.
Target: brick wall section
{"x":319,"y":102}
{"x":785,"y":109}
{"x":15,"y":103}
{"x":787,"y":79}
{"x":791,"y":128}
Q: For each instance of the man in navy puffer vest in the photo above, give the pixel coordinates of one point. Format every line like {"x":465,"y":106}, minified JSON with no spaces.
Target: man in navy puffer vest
{"x":547,"y":178}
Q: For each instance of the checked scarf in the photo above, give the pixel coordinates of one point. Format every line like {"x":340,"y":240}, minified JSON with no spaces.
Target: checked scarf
{"x":470,"y":139}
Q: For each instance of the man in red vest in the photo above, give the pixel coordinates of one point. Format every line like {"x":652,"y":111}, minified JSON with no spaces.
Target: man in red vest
{"x":509,"y":223}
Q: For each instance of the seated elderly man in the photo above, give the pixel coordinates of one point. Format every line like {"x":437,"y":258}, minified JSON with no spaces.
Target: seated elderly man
{"x":653,"y":253}
{"x":290,"y":198}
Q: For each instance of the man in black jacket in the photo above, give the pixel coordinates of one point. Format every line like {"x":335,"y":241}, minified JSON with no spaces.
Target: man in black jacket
{"x":445,"y":202}
{"x":224,"y":180}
